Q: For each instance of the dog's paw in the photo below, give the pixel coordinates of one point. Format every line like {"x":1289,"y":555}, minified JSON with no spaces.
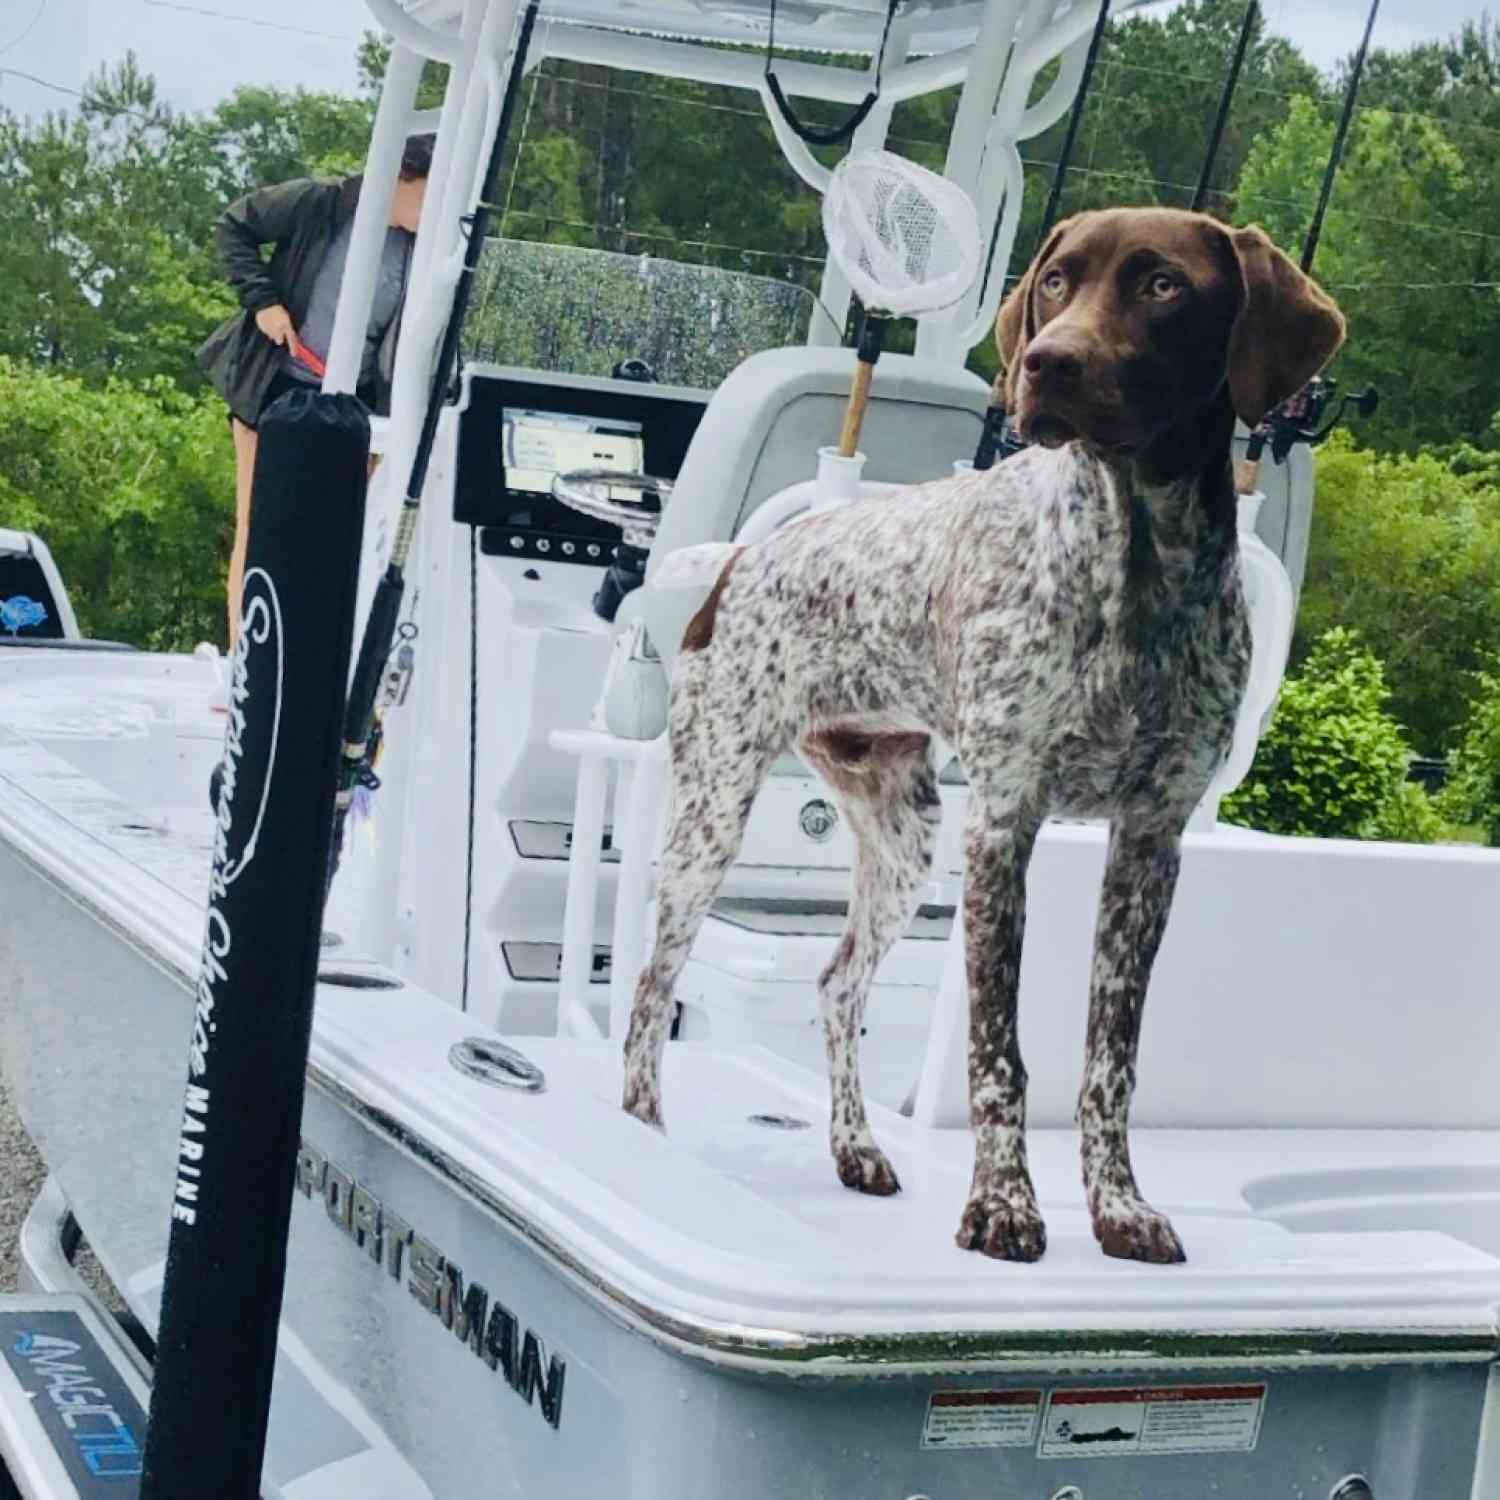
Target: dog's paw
{"x":866,"y":1170}
{"x":1003,"y":1230}
{"x":1139,"y":1233}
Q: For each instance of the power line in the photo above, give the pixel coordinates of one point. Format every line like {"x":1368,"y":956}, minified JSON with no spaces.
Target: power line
{"x":224,"y":15}
{"x":1365,"y":104}
{"x":88,"y":100}
{"x":649,"y":234}
{"x":1415,"y":286}
{"x":1358,"y":217}
{"x":26,"y":30}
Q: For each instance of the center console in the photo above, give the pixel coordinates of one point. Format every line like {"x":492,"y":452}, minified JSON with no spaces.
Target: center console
{"x":520,"y":428}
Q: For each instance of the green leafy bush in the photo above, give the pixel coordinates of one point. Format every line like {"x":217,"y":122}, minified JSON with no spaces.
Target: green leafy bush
{"x":132,"y":487}
{"x":1411,"y":816}
{"x":1472,"y":793}
{"x":1407,"y":553}
{"x":1332,"y":763}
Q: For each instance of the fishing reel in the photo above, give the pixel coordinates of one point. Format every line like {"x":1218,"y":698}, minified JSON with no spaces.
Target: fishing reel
{"x":1298,"y":419}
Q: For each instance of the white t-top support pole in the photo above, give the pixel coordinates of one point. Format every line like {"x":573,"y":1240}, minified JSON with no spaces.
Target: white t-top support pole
{"x":983,"y":152}
{"x":438,"y":258}
{"x":398,"y":97}
{"x":439,"y":254}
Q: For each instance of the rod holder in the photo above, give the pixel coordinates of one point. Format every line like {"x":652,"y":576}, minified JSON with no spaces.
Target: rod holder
{"x":252,"y":1018}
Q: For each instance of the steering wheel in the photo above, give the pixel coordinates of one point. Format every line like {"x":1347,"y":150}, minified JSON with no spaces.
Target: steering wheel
{"x":589,"y":491}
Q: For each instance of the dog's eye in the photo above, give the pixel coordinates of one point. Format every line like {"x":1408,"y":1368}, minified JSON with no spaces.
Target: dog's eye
{"x":1053,"y":284}
{"x":1161,"y":286}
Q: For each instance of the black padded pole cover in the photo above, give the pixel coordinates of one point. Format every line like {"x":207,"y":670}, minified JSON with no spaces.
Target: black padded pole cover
{"x":252,"y":1019}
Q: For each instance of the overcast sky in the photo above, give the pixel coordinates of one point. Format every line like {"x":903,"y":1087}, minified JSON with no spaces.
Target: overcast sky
{"x":198,"y":56}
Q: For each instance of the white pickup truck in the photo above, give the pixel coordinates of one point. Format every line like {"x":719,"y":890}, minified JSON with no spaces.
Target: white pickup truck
{"x":34,"y":604}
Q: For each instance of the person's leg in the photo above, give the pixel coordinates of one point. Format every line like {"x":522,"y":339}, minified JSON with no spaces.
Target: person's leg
{"x":244,"y":472}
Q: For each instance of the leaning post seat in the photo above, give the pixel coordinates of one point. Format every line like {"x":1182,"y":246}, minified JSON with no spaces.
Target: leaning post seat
{"x":765,"y":423}
{"x":762,"y":431}
{"x":759,"y":435}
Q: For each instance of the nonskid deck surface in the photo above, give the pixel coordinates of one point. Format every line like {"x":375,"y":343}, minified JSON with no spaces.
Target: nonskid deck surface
{"x":727,"y":1223}
{"x":109,"y":758}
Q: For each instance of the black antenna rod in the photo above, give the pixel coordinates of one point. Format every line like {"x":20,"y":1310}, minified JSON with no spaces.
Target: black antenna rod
{"x":1060,"y":169}
{"x":1247,"y":27}
{"x":1310,"y":247}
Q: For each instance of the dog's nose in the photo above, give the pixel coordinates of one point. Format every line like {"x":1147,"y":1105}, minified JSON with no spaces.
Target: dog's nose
{"x":1053,"y":364}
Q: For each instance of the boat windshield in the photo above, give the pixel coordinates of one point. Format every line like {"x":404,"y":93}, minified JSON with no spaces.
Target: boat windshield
{"x":580,"y":312}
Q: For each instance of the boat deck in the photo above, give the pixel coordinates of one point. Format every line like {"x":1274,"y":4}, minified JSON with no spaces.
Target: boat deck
{"x":733,"y":1238}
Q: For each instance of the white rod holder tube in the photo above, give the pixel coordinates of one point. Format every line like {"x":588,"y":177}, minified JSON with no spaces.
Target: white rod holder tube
{"x":838,"y":479}
{"x":992,"y":49}
{"x":618,"y":49}
{"x":409,"y":32}
{"x":793,"y":147}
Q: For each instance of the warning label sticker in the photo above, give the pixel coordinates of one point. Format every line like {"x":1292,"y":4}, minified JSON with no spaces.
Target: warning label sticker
{"x":1155,"y":1419}
{"x":982,"y":1419}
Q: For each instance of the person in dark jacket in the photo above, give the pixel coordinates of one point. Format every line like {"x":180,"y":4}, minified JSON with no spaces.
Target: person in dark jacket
{"x":287,"y":306}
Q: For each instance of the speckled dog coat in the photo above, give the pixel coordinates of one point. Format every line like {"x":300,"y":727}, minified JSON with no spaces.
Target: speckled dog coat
{"x":1069,"y":622}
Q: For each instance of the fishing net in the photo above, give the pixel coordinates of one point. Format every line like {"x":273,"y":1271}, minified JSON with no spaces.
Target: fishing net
{"x":907,"y":239}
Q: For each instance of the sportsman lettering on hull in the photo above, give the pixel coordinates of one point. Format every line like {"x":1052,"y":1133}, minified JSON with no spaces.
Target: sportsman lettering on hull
{"x":489,"y":1328}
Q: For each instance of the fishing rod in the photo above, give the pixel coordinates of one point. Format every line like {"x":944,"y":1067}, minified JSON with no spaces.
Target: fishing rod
{"x":1297,"y":419}
{"x":1075,"y":119}
{"x":1310,"y":245}
{"x":361,"y":732}
{"x":995,"y":437}
{"x":1226,"y":97}
{"x":996,"y":440}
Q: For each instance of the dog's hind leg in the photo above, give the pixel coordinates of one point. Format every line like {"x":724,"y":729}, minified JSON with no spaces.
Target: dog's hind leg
{"x":718,"y":764}
{"x":888,"y":790}
{"x":1001,"y":1217}
{"x":1140,"y":875}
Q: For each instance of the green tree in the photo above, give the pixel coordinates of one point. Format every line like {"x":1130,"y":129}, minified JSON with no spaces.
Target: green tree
{"x":1472,"y":793}
{"x":107,"y":259}
{"x":264,"y":135}
{"x":371,"y":59}
{"x":1159,"y":91}
{"x":1332,"y":763}
{"x":105,"y":269}
{"x":1408,"y":554}
{"x":1401,"y":216}
{"x":129,"y":484}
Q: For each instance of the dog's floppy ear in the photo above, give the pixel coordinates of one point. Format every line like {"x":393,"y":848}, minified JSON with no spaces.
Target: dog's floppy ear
{"x":1015,"y":325}
{"x":1287,"y":330}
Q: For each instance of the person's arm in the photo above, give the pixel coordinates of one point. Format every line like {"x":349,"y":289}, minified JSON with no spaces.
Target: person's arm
{"x":260,"y":218}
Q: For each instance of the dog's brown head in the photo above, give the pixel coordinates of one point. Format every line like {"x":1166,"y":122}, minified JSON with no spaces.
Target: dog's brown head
{"x":1133,"y":321}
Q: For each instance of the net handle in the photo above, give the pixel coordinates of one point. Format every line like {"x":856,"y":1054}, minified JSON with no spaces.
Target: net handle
{"x":871,"y":341}
{"x":830,"y":135}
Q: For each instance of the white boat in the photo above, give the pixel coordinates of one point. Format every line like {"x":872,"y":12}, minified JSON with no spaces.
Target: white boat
{"x":498,"y":1283}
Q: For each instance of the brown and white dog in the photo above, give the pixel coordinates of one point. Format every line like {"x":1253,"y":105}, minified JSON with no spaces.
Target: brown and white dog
{"x":1070,"y":621}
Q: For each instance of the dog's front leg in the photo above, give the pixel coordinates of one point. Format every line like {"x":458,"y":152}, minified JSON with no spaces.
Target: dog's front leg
{"x":1140,"y":875}
{"x":1001,"y":1216}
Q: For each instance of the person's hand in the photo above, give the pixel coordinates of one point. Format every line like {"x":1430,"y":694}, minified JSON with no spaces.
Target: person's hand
{"x":275,"y":322}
